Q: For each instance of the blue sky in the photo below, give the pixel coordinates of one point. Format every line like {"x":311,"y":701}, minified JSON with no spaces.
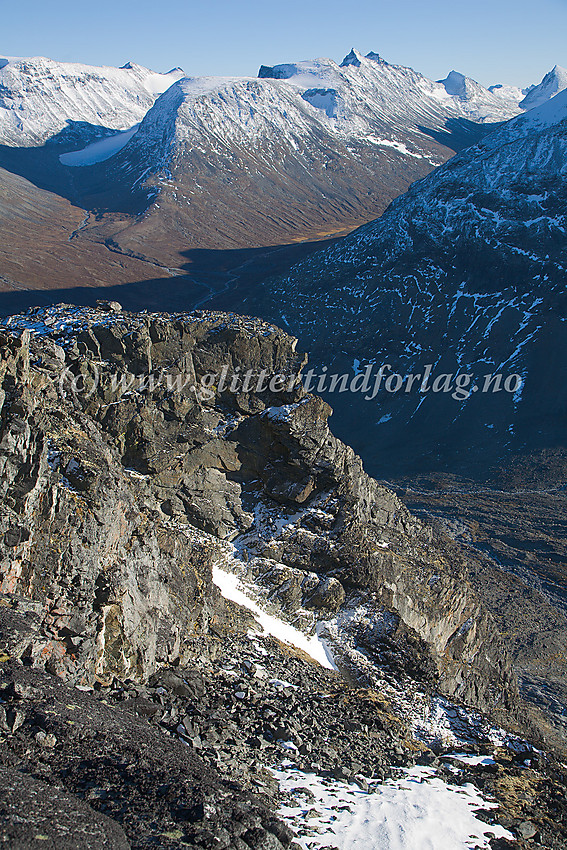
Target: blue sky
{"x":490,"y":40}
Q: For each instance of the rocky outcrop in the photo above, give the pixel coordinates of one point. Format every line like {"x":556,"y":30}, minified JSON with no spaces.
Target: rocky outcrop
{"x":119,"y":593}
{"x":135,"y":447}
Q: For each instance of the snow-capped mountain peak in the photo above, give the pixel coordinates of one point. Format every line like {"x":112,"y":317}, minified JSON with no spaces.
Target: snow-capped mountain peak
{"x":365,"y":95}
{"x":456,"y":84}
{"x":354,"y":58}
{"x":364,"y":129}
{"x":361,"y":85}
{"x":375,"y":57}
{"x":553,"y":82}
{"x":478,"y":100}
{"x":512,"y":93}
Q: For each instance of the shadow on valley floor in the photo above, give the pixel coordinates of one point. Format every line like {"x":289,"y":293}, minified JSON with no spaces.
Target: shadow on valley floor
{"x":459,"y":133}
{"x":210,"y":276}
{"x":83,"y":187}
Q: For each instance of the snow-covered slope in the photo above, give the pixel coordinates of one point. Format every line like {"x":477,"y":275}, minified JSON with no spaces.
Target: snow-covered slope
{"x":553,"y":83}
{"x":465,"y":272}
{"x":363,"y":100}
{"x":40,"y":97}
{"x":99,"y":151}
{"x":552,"y":113}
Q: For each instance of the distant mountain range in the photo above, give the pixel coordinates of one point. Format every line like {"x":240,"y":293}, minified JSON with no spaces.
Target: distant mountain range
{"x":170,"y":163}
{"x":42,"y":100}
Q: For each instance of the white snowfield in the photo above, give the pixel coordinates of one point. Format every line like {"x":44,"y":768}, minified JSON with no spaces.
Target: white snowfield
{"x":99,"y":151}
{"x":231,"y":588}
{"x":480,"y":102}
{"x":40,"y":97}
{"x":417,"y":812}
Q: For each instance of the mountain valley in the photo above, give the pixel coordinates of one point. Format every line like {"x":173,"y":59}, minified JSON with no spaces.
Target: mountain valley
{"x":283,"y":557}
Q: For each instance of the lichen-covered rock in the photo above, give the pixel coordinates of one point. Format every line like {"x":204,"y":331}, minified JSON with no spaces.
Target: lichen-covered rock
{"x":329,"y":595}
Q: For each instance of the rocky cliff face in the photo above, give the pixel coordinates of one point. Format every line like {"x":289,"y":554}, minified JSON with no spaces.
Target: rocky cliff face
{"x":118,"y":499}
{"x":149,"y":461}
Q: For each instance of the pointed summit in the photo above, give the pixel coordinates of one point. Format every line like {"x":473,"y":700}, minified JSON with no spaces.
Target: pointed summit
{"x":354,"y":58}
{"x":467,"y":90}
{"x":375,"y":57}
{"x":455,"y":83}
{"x":554,"y":82}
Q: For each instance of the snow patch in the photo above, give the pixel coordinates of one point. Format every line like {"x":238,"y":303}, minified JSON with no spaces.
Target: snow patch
{"x":418,"y":811}
{"x":389,"y":143}
{"x":99,"y":151}
{"x":465,"y":758}
{"x":230,"y":587}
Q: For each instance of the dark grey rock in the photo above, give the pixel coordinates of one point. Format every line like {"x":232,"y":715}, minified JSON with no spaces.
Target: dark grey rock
{"x":34,"y":814}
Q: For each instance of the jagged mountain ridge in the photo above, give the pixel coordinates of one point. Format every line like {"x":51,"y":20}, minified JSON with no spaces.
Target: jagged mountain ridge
{"x":81,"y":490}
{"x":363,"y":90}
{"x":464,"y":272}
{"x":300,"y":153}
{"x":39,"y":95}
